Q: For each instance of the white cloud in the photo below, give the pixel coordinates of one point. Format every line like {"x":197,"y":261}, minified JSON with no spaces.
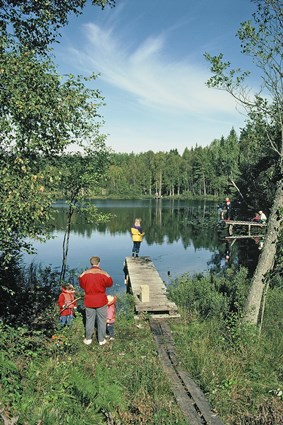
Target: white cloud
{"x":153,"y":100}
{"x":149,"y":75}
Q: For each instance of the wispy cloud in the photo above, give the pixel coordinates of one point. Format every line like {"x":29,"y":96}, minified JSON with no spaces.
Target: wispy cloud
{"x":148,"y":73}
{"x":153,"y":81}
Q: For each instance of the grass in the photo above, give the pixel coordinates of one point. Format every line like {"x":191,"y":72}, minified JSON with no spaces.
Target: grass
{"x":239,"y":369}
{"x":119,"y":383}
{"x":59,"y":380}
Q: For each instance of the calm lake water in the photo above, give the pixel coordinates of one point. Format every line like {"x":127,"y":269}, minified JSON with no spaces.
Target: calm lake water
{"x":180,"y":237}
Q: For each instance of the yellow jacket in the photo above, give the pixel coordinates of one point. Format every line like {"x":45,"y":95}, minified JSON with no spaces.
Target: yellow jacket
{"x":136,"y":235}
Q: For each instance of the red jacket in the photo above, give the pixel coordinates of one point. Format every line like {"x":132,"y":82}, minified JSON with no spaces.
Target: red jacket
{"x":94,"y":282}
{"x":111,"y":310}
{"x":66,"y":299}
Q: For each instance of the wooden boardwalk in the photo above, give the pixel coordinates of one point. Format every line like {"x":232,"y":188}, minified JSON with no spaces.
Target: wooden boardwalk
{"x":141,"y":274}
{"x":148,"y":289}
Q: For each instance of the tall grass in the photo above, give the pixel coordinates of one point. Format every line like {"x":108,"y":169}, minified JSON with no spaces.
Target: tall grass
{"x":238,"y":368}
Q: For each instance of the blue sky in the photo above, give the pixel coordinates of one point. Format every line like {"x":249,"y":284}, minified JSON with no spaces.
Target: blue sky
{"x":149,"y":54}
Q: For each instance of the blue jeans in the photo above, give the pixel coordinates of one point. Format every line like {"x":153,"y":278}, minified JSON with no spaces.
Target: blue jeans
{"x":66,"y":320}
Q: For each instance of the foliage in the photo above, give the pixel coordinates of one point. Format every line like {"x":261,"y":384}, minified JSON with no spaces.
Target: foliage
{"x":211,"y":295}
{"x":261,"y":140}
{"x":36,"y":24}
{"x":27,"y":295}
{"x":197,"y":172}
{"x":237,"y":368}
{"x":261,"y":40}
{"x":259,"y":165}
{"x":25,"y":204}
{"x":42,"y":114}
{"x":79,"y":173}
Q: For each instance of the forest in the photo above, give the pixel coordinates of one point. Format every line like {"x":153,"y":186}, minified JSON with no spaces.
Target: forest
{"x":213,"y":171}
{"x":43,"y":116}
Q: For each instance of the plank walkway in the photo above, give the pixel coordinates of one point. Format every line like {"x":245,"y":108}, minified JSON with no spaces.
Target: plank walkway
{"x":148,"y":289}
{"x":190,"y":398}
{"x":141,"y":273}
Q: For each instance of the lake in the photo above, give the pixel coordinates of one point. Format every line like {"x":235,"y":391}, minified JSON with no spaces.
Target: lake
{"x":180,"y":237}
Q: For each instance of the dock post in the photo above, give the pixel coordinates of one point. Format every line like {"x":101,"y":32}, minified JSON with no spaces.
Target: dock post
{"x":144,"y":295}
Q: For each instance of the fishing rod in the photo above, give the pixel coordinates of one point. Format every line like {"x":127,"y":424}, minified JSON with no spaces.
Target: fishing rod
{"x":71,"y":302}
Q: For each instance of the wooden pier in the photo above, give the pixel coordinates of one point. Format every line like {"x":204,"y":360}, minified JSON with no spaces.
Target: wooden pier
{"x":238,"y":226}
{"x":148,"y":289}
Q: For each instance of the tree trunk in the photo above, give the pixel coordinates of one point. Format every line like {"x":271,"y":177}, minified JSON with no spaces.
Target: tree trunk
{"x":160,"y":183}
{"x":65,"y":246}
{"x":204,"y":186}
{"x":149,"y":185}
{"x":266,"y":259}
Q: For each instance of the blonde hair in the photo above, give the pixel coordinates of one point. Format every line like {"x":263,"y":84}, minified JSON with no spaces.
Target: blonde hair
{"x":138,"y":221}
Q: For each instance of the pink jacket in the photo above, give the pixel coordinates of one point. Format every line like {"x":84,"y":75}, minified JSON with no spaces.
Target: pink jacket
{"x":111,"y":311}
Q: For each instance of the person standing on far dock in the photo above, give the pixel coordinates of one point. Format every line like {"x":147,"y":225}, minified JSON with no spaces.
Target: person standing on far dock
{"x":262,"y":217}
{"x":137,"y":235}
{"x":228,"y":207}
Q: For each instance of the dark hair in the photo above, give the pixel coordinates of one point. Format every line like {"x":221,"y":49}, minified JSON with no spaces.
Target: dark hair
{"x":67,"y":287}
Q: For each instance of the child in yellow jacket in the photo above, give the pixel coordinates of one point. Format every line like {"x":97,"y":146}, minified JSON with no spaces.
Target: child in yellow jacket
{"x":137,"y":235}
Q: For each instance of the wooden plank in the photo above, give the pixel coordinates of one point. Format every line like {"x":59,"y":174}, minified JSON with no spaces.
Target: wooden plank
{"x":154,"y":308}
{"x":141,"y":271}
{"x":199,"y":397}
{"x":245,"y":223}
{"x":188,"y":395}
{"x":244,"y":237}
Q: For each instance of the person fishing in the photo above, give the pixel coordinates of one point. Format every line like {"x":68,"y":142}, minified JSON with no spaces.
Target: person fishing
{"x":137,"y":235}
{"x":67,"y":304}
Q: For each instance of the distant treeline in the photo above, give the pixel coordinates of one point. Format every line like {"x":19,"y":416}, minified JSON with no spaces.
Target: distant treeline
{"x":227,"y":165}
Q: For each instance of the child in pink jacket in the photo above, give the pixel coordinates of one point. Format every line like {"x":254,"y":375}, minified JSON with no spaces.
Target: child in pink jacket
{"x":111,"y":316}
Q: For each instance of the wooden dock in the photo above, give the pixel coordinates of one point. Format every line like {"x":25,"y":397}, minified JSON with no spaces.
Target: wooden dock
{"x":148,"y":289}
{"x":234,"y":225}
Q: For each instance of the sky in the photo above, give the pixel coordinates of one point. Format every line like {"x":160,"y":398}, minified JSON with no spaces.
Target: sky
{"x":149,"y":55}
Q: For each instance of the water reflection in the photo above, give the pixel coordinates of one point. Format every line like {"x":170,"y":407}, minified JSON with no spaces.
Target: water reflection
{"x":180,"y":237}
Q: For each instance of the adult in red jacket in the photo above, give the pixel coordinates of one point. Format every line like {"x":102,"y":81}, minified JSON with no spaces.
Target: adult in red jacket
{"x":94,"y":282}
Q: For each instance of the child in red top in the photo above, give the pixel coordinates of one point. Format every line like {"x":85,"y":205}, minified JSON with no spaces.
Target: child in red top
{"x":67,"y":304}
{"x":111,"y":316}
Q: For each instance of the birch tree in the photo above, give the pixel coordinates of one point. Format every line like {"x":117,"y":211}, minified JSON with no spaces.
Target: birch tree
{"x":261,"y":39}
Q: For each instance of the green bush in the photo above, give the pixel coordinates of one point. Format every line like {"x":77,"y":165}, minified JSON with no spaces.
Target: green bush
{"x":208,"y":295}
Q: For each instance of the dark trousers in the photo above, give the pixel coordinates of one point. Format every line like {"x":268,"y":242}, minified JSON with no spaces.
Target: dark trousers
{"x":136,"y":247}
{"x":110,"y":329}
